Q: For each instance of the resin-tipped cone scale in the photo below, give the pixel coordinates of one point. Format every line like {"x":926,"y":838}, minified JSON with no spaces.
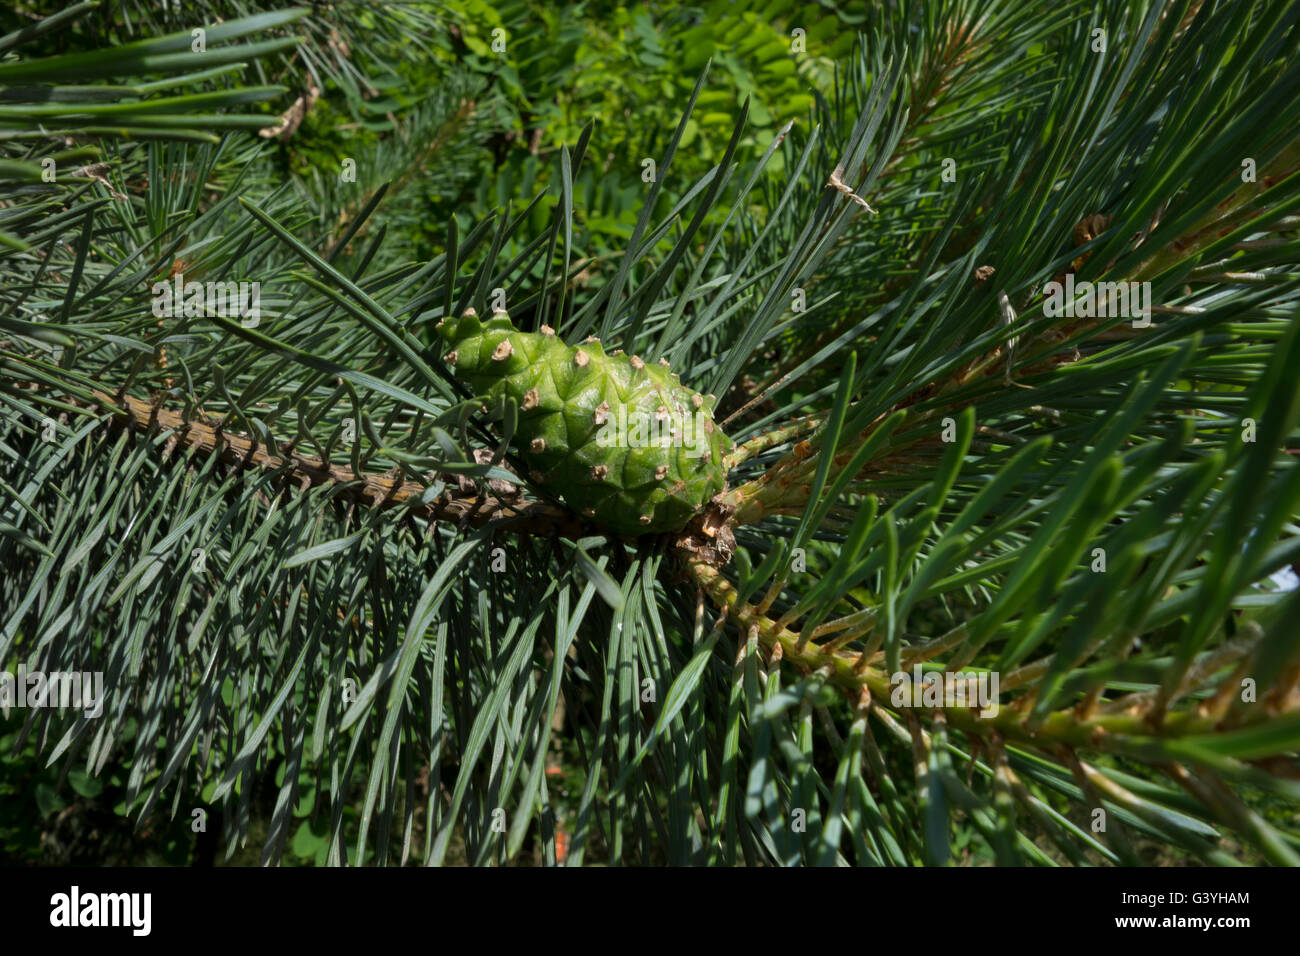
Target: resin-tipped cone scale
{"x":621,"y":441}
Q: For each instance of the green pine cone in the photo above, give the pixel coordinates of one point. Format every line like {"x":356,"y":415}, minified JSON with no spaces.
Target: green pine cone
{"x":621,"y":442}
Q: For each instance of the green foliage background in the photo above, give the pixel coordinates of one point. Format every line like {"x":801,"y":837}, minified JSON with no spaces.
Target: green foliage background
{"x":523,"y":168}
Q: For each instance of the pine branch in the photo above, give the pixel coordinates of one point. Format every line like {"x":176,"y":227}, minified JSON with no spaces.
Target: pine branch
{"x":1125,"y":729}
{"x":299,"y":472}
